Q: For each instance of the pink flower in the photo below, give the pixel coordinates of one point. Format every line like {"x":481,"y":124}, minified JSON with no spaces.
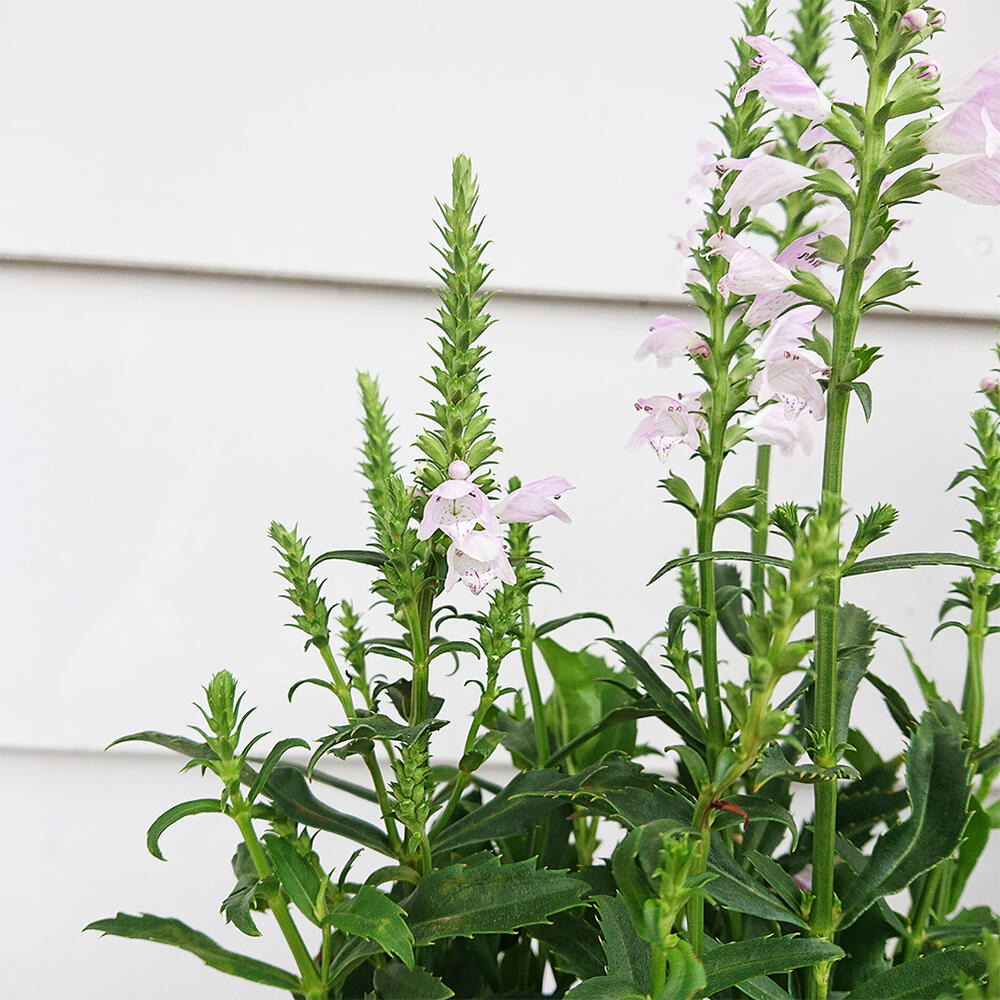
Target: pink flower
{"x":915,"y":20}
{"x":476,"y":561}
{"x":669,"y":338}
{"x":457,"y":507}
{"x":772,"y":425}
{"x":968,"y":82}
{"x":989,"y":383}
{"x":964,"y":130}
{"x":762,"y":180}
{"x":534,"y":501}
{"x":927,"y":69}
{"x":784,"y":83}
{"x":789,"y":371}
{"x":976,"y":178}
{"x":668,"y":420}
{"x":785,"y":335}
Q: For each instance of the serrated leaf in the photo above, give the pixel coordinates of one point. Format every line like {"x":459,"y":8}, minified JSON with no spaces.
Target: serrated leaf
{"x":938,"y":784}
{"x":360,"y":733}
{"x":237,"y":905}
{"x":166,"y":930}
{"x":172,"y":815}
{"x":288,"y":790}
{"x":627,"y":955}
{"x":922,"y":978}
{"x":809,"y":287}
{"x":909,"y":560}
{"x":372,"y":915}
{"x":681,"y":492}
{"x":739,"y":890}
{"x":297,"y":877}
{"x":488,"y":898}
{"x":397,"y":982}
{"x":573,"y":944}
{"x":730,"y":964}
{"x":856,"y":647}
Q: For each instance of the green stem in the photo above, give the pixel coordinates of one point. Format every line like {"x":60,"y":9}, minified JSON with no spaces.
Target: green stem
{"x":378,"y":782}
{"x":702,"y":823}
{"x":658,"y":979}
{"x":846,"y":318}
{"x":542,"y":746}
{"x":928,"y":894}
{"x":758,"y":537}
{"x":973,"y":698}
{"x":312,"y":984}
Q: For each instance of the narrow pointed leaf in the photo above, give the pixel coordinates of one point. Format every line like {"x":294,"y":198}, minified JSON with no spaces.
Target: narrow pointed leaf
{"x":923,"y":978}
{"x":172,"y":815}
{"x":627,"y":955}
{"x":368,"y":557}
{"x":271,"y":762}
{"x":909,"y":560}
{"x":372,"y":915}
{"x":732,"y":556}
{"x":297,"y":877}
{"x":730,"y":964}
{"x":165,"y":930}
{"x":551,"y":626}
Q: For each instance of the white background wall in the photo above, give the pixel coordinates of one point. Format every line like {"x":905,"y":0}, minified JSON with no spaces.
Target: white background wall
{"x":161,"y":409}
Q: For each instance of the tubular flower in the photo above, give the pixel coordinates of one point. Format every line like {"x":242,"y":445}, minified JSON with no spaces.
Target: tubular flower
{"x":476,"y":561}
{"x":789,"y":371}
{"x":976,"y":178}
{"x":667,"y":421}
{"x":761,"y":181}
{"x":772,"y":425}
{"x":970,"y":81}
{"x":783,"y":83}
{"x":965,"y":129}
{"x":457,"y":507}
{"x":767,"y":305}
{"x":533,"y":501}
{"x":669,"y":338}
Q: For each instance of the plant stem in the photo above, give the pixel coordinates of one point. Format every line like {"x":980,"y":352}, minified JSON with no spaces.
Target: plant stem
{"x":534,"y":693}
{"x":702,"y":823}
{"x":973,"y":697}
{"x":758,"y":537}
{"x":928,"y":894}
{"x":312,"y":984}
{"x":846,"y":318}
{"x":658,"y":979}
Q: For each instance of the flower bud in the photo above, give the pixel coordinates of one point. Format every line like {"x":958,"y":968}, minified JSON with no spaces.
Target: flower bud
{"x":927,"y":69}
{"x":938,"y":20}
{"x":989,"y":384}
{"x":459,"y":470}
{"x":221,"y":692}
{"x":915,"y":20}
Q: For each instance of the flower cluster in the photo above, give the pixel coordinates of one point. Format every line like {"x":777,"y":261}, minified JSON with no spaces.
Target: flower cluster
{"x":461,"y":510}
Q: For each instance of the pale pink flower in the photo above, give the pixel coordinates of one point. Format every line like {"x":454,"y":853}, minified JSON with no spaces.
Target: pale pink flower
{"x":785,"y":335}
{"x":761,"y":181}
{"x":989,"y":383}
{"x":969,"y":81}
{"x":939,"y":19}
{"x":914,"y":20}
{"x":751,"y":273}
{"x":476,"y":561}
{"x":669,"y":338}
{"x":771,"y":303}
{"x":964,"y":130}
{"x":772,"y":425}
{"x":784,"y":83}
{"x":668,"y":420}
{"x":976,"y":178}
{"x":457,"y":507}
{"x":533,"y":501}
{"x":793,"y":382}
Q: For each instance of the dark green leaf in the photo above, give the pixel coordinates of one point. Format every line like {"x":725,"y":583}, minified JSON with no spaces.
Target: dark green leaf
{"x":288,"y":790}
{"x":856,"y":644}
{"x":359,"y":733}
{"x":606,"y":988}
{"x":730,"y":964}
{"x":729,"y":593}
{"x":455,"y":646}
{"x":974,"y":840}
{"x":681,"y":493}
{"x":573,"y":943}
{"x":237,"y":905}
{"x":922,"y":978}
{"x":165,"y":930}
{"x":686,"y":977}
{"x":172,"y":815}
{"x":735,"y":556}
{"x":939,"y":785}
{"x":627,"y":955}
{"x":739,"y":890}
{"x":488,"y":898}
{"x":864,"y":393}
{"x":372,"y":915}
{"x":367,"y":556}
{"x":896,"y":704}
{"x":551,"y":626}
{"x":271,"y":762}
{"x":297,"y":877}
{"x":396,"y":982}
{"x":642,"y":708}
{"x":908,"y":560}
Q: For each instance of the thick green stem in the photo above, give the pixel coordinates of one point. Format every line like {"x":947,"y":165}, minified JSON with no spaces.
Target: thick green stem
{"x":534,"y":692}
{"x":928,"y":895}
{"x":846,"y":318}
{"x":658,"y":979}
{"x":312,"y":984}
{"x":702,"y":823}
{"x":973,"y":698}
{"x":758,"y":537}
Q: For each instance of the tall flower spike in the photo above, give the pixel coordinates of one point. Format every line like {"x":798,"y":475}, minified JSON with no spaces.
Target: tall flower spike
{"x":783,"y":83}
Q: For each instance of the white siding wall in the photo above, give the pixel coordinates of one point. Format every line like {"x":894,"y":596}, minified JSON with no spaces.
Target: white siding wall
{"x":156,"y":422}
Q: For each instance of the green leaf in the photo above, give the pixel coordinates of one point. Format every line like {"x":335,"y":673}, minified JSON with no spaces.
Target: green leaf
{"x":686,"y":977}
{"x":179,"y":744}
{"x":777,"y":878}
{"x":831,"y":248}
{"x":739,"y":499}
{"x":372,"y":915}
{"x":237,"y":905}
{"x":642,"y":708}
{"x":573,"y":944}
{"x":166,"y":930}
{"x":551,"y":626}
{"x":974,"y":840}
{"x":774,"y":764}
{"x":606,"y":988}
{"x":512,"y":811}
{"x":369,"y":557}
{"x":675,"y":713}
{"x":856,"y":647}
{"x":808,"y":286}
{"x":864,"y":393}
{"x":271,"y":762}
{"x":580,"y":701}
{"x":359,"y":734}
{"x":297,"y":877}
{"x":731,"y":964}
{"x":739,"y":890}
{"x":896,"y":704}
{"x":922,"y":978}
{"x":909,"y":560}
{"x":455,"y":646}
{"x":172,"y":815}
{"x":288,"y":790}
{"x":681,"y":493}
{"x":396,"y":982}
{"x":628,"y":955}
{"x":488,"y":898}
{"x":729,"y":591}
{"x":735,"y":556}
{"x":939,"y":785}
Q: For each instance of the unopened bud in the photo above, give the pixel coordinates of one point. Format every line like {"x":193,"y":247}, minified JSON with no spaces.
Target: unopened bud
{"x":989,"y":384}
{"x":915,"y":20}
{"x":927,"y":69}
{"x":939,"y":19}
{"x":459,"y":470}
